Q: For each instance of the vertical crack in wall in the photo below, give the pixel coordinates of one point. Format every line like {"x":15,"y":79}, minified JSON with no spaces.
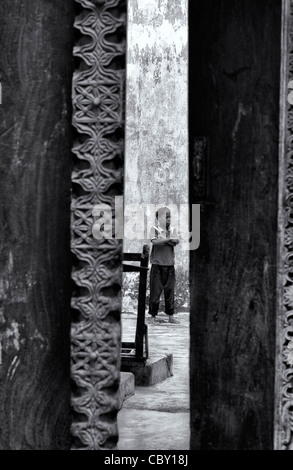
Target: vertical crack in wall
{"x":98,"y":119}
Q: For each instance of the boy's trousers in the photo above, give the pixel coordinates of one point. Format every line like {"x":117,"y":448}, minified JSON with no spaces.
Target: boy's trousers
{"x":162,"y":278}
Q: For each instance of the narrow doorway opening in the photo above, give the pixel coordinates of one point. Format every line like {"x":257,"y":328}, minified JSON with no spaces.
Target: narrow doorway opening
{"x":155,"y":410}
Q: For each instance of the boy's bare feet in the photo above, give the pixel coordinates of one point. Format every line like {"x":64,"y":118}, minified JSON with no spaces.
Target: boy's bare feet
{"x":173,"y":320}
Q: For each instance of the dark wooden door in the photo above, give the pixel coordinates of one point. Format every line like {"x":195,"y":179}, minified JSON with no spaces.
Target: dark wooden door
{"x":36,"y":39}
{"x":234,"y":102}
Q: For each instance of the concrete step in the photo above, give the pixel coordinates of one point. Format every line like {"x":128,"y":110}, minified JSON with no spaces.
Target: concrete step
{"x":126,"y":387}
{"x":154,"y":370}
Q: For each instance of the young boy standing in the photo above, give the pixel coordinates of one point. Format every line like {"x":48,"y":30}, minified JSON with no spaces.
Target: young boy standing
{"x":162,"y":275}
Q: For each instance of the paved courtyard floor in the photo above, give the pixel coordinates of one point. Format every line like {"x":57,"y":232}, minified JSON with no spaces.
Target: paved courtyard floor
{"x":156,"y":417}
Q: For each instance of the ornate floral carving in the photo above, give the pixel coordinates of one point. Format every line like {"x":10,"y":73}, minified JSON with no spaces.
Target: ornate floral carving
{"x":98,"y":117}
{"x":284,"y":364}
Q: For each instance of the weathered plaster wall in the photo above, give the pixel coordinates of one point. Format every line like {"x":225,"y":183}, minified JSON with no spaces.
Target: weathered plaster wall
{"x":156,"y":168}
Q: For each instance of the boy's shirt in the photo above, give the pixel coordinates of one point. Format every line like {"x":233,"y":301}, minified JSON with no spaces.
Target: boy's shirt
{"x":163,"y":255}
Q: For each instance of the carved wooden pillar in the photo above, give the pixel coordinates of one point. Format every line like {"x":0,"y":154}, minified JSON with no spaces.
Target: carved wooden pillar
{"x":284,"y":344}
{"x":98,"y":102}
{"x":35,"y":146}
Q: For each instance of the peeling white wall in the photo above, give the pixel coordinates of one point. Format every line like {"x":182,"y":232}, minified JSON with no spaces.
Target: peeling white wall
{"x":156,"y":168}
{"x":156,"y":163}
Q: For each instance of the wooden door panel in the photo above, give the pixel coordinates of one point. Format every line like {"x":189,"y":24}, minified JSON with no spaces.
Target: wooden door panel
{"x":234,"y":102}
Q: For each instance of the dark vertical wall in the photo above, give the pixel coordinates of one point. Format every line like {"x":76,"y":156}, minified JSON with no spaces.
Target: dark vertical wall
{"x":234,"y":102}
{"x":35,"y":122}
